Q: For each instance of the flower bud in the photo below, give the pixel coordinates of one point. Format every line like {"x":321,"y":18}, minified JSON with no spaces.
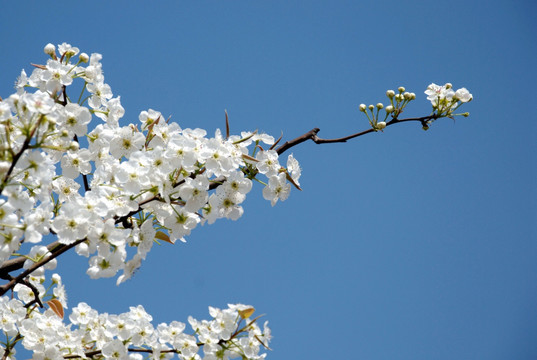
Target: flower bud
{"x":408,"y":96}
{"x":413,"y":96}
{"x":466,"y":114}
{"x":371,"y":107}
{"x":380,"y":125}
{"x":49,"y":49}
{"x":84,"y":57}
{"x":401,"y":89}
{"x":448,"y":86}
{"x":363,"y":107}
{"x":390,"y":94}
{"x":380,"y":106}
{"x":389,"y":109}
{"x":74,"y":146}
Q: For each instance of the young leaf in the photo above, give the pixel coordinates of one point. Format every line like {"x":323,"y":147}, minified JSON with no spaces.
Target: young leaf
{"x":246,"y":313}
{"x":162,"y":236}
{"x":56,"y":306}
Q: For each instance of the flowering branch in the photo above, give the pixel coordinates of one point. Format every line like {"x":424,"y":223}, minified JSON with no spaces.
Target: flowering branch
{"x":444,"y":100}
{"x":15,"y":264}
{"x":141,"y":184}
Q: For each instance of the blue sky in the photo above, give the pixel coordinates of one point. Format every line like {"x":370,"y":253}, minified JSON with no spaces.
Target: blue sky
{"x":404,"y":244}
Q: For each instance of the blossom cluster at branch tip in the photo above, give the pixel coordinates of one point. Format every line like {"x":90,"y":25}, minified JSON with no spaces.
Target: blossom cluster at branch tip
{"x":444,"y":100}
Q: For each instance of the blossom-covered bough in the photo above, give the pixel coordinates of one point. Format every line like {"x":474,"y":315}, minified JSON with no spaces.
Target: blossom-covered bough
{"x":108,"y":192}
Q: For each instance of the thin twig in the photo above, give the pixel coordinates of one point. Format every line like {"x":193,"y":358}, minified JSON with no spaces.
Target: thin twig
{"x":312,"y":134}
{"x":36,"y":294}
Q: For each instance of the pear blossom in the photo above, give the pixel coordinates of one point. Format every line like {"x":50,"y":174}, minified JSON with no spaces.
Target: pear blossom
{"x":101,"y":94}
{"x":463,"y":95}
{"x":77,"y":119}
{"x":149,"y":117}
{"x":75,"y":163}
{"x":72,"y":224}
{"x":67,"y":49}
{"x":435,"y":93}
{"x":293,"y":168}
{"x":195,"y":192}
{"x":56,"y":75}
{"x":277,"y":189}
{"x":66,"y":188}
{"x":268,"y":162}
{"x":125,"y":142}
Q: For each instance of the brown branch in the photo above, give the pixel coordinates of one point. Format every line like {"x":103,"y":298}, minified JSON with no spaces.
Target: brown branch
{"x":18,"y":279}
{"x":25,"y":146}
{"x":91,"y":354}
{"x":35,"y":292}
{"x":25,"y":282}
{"x":123,"y":219}
{"x":312,"y":134}
{"x":17,"y":263}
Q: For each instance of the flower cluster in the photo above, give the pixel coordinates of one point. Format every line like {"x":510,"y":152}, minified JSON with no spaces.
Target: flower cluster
{"x":230,"y":333}
{"x":445,"y":101}
{"x":398,"y":101}
{"x":115,"y":189}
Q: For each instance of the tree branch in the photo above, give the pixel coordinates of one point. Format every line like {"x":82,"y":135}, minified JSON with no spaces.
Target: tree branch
{"x":18,"y":279}
{"x":9,"y":266}
{"x":312,"y":134}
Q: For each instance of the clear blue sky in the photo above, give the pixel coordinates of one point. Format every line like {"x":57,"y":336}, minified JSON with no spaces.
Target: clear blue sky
{"x":404,"y":244}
